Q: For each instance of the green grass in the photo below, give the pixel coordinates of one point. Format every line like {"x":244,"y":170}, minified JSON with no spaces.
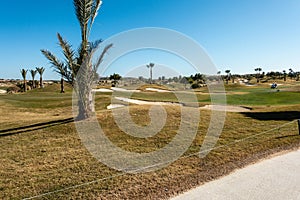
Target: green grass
{"x":41,"y":150}
{"x":264,"y":98}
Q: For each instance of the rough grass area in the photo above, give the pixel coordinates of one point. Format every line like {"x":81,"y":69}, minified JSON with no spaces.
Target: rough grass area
{"x":41,"y":151}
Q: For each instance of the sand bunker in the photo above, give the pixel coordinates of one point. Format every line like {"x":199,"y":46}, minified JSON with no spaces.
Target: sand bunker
{"x":156,"y":90}
{"x":226,"y":108}
{"x":141,"y":102}
{"x":112,"y":106}
{"x":123,"y":90}
{"x":102,"y":90}
{"x":2,"y":91}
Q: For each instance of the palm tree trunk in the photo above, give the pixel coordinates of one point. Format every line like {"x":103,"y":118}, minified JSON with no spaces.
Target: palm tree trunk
{"x":150,"y":75}
{"x":41,"y":82}
{"x":25,"y":85}
{"x":33,"y":83}
{"x":62,"y":86}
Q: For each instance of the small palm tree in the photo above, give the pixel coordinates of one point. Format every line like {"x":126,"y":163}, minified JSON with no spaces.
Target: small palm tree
{"x":258,"y":74}
{"x":33,"y":73}
{"x":228,"y":75}
{"x":219,"y":73}
{"x":284,"y":75}
{"x":24,"y":73}
{"x":41,"y":70}
{"x":150,"y":66}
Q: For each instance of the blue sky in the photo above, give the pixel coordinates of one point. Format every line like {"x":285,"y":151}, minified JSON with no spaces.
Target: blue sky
{"x":239,"y":35}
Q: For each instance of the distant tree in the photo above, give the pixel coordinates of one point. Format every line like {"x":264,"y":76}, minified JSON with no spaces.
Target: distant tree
{"x":232,"y":78}
{"x":41,"y":70}
{"x":284,"y":75}
{"x":115,"y":79}
{"x":228,"y":75}
{"x":219,"y":74}
{"x":297,"y":76}
{"x":33,"y":73}
{"x":24,"y":73}
{"x":184,"y":80}
{"x":150,"y":66}
{"x":175,"y":79}
{"x":141,"y":78}
{"x":258,"y":70}
{"x":291,"y":73}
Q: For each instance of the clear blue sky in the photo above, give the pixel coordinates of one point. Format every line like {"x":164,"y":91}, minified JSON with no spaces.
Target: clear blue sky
{"x":237,"y":34}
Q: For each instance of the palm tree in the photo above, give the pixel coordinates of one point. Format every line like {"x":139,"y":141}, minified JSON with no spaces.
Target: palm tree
{"x":291,"y":73}
{"x":258,"y":74}
{"x":86,"y":12}
{"x":284,"y":75}
{"x":24,"y":73}
{"x":150,"y":66}
{"x":33,"y":73}
{"x":41,"y":70}
{"x":219,"y":73}
{"x":228,"y":75}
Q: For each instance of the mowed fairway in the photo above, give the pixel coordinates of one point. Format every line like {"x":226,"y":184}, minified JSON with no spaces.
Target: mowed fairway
{"x":42,"y":155}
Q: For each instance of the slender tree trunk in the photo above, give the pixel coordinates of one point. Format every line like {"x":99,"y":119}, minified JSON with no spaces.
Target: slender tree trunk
{"x":41,"y":82}
{"x":25,"y":85}
{"x":150,"y":75}
{"x":62,"y":86}
{"x":33,"y":83}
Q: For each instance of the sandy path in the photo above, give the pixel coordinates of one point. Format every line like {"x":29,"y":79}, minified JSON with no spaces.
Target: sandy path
{"x":277,"y":178}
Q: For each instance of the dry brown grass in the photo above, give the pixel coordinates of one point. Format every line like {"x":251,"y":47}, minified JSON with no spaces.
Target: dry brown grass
{"x":52,"y":157}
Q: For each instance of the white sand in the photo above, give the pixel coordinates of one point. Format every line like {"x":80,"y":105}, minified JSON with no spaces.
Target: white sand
{"x":112,"y":106}
{"x":102,"y":90}
{"x":2,"y":91}
{"x":123,"y":90}
{"x":226,"y":108}
{"x":140,"y":102}
{"x":156,"y":90}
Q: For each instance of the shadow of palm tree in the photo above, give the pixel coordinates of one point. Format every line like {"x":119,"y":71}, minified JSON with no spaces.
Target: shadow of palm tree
{"x":280,"y":116}
{"x":33,"y":127}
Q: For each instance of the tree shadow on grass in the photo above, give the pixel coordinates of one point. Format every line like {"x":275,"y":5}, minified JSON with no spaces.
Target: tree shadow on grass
{"x":34,"y":127}
{"x":280,"y":116}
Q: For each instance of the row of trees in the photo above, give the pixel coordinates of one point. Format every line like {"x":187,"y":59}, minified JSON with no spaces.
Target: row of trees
{"x":33,"y":72}
{"x":259,"y":76}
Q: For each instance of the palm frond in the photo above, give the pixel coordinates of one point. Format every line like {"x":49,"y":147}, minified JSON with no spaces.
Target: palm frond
{"x":59,"y":67}
{"x":83,"y":9}
{"x":94,"y":45}
{"x":100,"y":59}
{"x":67,"y":49}
{"x":96,"y":6}
{"x":24,"y":73}
{"x":69,"y":55}
{"x":40,"y":70}
{"x":33,"y":73}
